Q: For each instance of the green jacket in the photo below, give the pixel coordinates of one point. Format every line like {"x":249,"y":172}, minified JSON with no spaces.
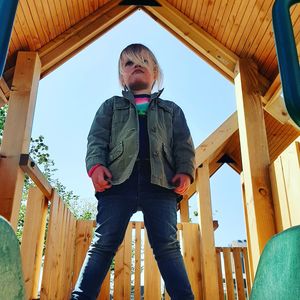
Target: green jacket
{"x":113,"y":140}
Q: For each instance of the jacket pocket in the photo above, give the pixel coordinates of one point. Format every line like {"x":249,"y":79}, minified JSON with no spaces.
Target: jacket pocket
{"x":168,"y":156}
{"x":115,"y":153}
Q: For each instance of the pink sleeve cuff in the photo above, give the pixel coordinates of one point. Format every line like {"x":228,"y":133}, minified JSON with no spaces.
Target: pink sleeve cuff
{"x":91,"y":171}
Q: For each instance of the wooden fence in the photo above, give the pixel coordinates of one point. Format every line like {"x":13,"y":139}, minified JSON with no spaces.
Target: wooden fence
{"x":233,"y":273}
{"x":135,"y":273}
{"x":52,"y":260}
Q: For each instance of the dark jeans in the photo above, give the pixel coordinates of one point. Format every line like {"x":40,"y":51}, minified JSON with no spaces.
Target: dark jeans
{"x":115,"y":207}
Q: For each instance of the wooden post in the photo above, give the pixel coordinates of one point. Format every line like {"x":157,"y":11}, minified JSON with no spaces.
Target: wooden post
{"x":33,"y":240}
{"x":17,"y":133}
{"x":255,"y":158}
{"x":249,"y":260}
{"x":184,"y":209}
{"x":208,"y":250}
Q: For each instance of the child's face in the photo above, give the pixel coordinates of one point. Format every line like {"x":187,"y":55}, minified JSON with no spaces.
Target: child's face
{"x":139,"y":78}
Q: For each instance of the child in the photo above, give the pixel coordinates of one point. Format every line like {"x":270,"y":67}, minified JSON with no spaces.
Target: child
{"x":140,"y":156}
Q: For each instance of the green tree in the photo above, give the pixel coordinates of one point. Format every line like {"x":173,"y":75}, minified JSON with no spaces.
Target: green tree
{"x":39,"y":152}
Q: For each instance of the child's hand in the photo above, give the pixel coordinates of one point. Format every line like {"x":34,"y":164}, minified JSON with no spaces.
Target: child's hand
{"x":101,"y":179}
{"x":182,"y":182}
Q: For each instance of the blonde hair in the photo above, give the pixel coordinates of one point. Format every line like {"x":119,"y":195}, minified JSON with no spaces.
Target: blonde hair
{"x":133,"y":53}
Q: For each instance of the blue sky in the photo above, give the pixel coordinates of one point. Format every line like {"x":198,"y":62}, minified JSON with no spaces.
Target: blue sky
{"x":69,"y":97}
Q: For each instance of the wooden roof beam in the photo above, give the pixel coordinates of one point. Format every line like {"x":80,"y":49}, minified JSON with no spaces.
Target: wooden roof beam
{"x":4,"y":92}
{"x":194,"y":37}
{"x":216,"y":140}
{"x":79,"y":36}
{"x":211,"y":149}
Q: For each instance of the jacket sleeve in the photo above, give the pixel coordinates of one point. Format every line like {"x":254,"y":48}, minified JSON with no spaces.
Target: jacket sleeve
{"x":99,"y":136}
{"x":183,"y":146}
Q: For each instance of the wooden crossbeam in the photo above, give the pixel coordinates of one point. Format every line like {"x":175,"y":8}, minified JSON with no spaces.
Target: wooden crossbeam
{"x":196,"y":38}
{"x":33,"y":171}
{"x":17,"y":132}
{"x":4,"y":92}
{"x":216,"y":140}
{"x":73,"y":40}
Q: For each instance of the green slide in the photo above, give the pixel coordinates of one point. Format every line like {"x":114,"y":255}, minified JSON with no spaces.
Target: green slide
{"x":11,"y":276}
{"x":288,"y":62}
{"x":278,"y":272}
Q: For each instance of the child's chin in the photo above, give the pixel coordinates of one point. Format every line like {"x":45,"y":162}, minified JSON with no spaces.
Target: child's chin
{"x":138,"y":85}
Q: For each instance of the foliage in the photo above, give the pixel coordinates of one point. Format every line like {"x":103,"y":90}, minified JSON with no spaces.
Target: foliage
{"x":3,"y":113}
{"x":39,"y":152}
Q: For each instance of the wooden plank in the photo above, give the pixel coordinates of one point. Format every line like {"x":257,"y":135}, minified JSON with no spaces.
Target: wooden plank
{"x":80,"y":25}
{"x":215,"y":27}
{"x":213,"y":18}
{"x":230,"y":25}
{"x":137,"y":257}
{"x":31,"y":37}
{"x":3,"y":99}
{"x":239,"y":22}
{"x":84,"y":233}
{"x":184,"y":209}
{"x":70,"y":7}
{"x":81,"y":9}
{"x":191,"y":256}
{"x":105,"y":288}
{"x":64,"y":277}
{"x":246,"y":214}
{"x":42,"y":16}
{"x":54,"y":292}
{"x":246,"y":24}
{"x":255,"y":159}
{"x":119,"y":273}
{"x":208,"y":253}
{"x":33,"y":20}
{"x":151,"y":274}
{"x":281,"y":208}
{"x":19,"y":33}
{"x":268,"y":56}
{"x":4,"y":87}
{"x":66,"y":14}
{"x":83,"y":37}
{"x":127,"y":262}
{"x":59,"y":15}
{"x":33,"y":171}
{"x":228,"y":274}
{"x":220,"y":275}
{"x":33,"y":239}
{"x":238,"y":273}
{"x":217,"y":139}
{"x":70,"y":254}
{"x":50,"y":23}
{"x":16,"y":135}
{"x":291,"y":171}
{"x":277,"y":109}
{"x":50,"y":262}
{"x":222,"y":26}
{"x":104,"y":293}
{"x":76,"y":10}
{"x":247,"y":271}
{"x":258,"y":30}
{"x":195,"y":36}
{"x":54,"y":17}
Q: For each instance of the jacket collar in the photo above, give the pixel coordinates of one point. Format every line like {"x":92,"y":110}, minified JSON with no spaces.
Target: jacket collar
{"x":129,"y":95}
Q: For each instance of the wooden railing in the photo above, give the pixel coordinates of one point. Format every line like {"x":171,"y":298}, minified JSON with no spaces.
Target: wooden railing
{"x":135,"y":272}
{"x":233,"y":273}
{"x":52,"y":260}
